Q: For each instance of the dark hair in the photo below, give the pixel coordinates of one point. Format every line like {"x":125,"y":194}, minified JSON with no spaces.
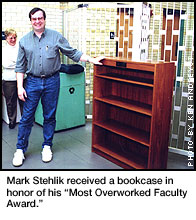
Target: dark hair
{"x":35,"y":10}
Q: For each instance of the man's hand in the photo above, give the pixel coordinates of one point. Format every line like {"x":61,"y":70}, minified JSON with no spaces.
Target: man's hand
{"x":97,"y":60}
{"x":21,"y":91}
{"x":22,"y":94}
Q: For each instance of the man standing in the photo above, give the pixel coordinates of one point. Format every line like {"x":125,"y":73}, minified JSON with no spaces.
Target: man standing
{"x":39,"y":58}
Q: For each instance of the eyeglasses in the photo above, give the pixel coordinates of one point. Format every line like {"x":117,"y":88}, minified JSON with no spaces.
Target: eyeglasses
{"x":39,"y":19}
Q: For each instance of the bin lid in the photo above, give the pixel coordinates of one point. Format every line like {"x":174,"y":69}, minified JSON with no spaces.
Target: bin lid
{"x":71,"y":68}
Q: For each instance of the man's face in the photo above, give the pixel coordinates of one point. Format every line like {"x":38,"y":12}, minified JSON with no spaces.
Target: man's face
{"x":37,"y":21}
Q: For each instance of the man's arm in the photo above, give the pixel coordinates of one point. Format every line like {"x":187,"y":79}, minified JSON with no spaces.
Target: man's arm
{"x":75,"y":54}
{"x":21,"y":91}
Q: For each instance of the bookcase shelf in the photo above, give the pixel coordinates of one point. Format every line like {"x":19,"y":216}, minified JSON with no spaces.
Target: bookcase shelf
{"x":133,"y":161}
{"x":133,"y":80}
{"x":132,"y":112}
{"x":131,"y":133}
{"x":127,"y":104}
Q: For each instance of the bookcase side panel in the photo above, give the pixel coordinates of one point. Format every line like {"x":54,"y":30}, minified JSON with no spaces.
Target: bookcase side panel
{"x":161,"y":115}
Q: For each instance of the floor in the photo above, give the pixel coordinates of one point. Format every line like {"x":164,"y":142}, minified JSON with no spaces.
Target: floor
{"x":71,"y":150}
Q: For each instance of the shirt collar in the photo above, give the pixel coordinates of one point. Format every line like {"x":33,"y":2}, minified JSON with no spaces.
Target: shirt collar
{"x":43,"y":34}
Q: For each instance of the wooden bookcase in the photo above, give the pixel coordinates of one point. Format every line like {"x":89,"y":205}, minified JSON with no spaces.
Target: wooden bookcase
{"x":132,"y":112}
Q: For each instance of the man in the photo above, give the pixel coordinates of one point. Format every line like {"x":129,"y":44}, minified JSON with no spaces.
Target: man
{"x":39,"y":58}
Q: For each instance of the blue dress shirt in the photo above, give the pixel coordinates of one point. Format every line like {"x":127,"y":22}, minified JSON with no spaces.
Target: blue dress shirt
{"x":41,"y":56}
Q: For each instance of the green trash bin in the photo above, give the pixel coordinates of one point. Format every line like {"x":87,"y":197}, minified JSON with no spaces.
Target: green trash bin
{"x":71,"y":104}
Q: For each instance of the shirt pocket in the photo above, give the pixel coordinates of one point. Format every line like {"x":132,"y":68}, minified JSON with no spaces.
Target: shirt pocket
{"x":51,"y":52}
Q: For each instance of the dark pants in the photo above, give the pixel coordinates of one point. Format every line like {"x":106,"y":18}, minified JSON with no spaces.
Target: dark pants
{"x":11,"y":96}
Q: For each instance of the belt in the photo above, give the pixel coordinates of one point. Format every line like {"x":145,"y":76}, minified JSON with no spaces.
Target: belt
{"x":42,"y":76}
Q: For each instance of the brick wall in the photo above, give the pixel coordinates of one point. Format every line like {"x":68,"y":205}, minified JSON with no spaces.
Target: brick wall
{"x":16,"y":15}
